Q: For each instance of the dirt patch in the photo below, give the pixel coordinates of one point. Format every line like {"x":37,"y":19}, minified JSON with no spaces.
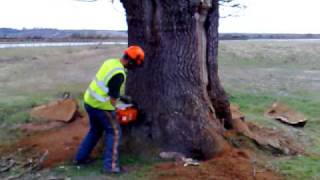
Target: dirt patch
{"x":59,"y":133}
{"x":61,"y":143}
{"x":36,"y":127}
{"x":42,"y":149}
{"x":235,"y":164}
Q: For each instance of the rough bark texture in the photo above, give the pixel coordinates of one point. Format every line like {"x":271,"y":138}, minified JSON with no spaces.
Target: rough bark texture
{"x":216,"y":92}
{"x":178,"y":88}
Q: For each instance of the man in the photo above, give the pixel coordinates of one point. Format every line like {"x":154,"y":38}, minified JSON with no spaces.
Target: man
{"x":100,"y":103}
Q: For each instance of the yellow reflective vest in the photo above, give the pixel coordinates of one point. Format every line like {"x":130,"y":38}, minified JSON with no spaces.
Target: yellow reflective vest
{"x":97,"y":93}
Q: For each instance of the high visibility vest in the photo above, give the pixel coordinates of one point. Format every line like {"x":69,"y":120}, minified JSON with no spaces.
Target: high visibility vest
{"x":97,"y":93}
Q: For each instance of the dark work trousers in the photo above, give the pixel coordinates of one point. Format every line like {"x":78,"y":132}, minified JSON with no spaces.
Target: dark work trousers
{"x":99,"y":123}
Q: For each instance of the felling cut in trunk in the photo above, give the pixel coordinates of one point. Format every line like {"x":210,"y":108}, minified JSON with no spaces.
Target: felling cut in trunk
{"x":179,"y":90}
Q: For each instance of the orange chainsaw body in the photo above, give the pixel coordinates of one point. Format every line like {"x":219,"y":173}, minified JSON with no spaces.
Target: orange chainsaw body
{"x":127,"y":115}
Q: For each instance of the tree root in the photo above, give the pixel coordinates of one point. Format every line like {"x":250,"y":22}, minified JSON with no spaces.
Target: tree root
{"x":268,"y":139}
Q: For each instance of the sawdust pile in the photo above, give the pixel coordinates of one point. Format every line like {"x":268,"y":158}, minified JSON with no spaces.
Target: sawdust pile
{"x":235,"y":164}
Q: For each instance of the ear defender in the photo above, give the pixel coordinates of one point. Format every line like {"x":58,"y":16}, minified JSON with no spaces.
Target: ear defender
{"x":131,"y":61}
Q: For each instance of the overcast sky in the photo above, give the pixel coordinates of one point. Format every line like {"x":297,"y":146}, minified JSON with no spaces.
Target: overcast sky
{"x":261,"y":16}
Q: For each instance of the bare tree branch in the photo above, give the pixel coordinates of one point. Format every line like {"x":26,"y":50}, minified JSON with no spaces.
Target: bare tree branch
{"x":224,"y":3}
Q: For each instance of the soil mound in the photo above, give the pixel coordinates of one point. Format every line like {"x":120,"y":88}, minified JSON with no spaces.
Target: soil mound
{"x":58,"y":132}
{"x":61,"y":143}
{"x":235,"y":164}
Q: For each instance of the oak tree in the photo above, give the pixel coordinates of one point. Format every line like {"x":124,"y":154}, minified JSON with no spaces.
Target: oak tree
{"x":185,"y":107}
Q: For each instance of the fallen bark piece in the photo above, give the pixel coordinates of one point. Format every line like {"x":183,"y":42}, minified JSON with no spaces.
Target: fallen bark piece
{"x":270,"y":139}
{"x":61,"y":110}
{"x":285,"y":114}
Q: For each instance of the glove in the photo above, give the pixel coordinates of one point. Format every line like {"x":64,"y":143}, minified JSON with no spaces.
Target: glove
{"x":123,"y":106}
{"x":126,"y":99}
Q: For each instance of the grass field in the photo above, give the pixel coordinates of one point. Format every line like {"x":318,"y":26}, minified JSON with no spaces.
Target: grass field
{"x":254,"y":73}
{"x":257,"y":73}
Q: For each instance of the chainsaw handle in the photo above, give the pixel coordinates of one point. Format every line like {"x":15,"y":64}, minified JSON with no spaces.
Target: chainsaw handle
{"x":126,"y":99}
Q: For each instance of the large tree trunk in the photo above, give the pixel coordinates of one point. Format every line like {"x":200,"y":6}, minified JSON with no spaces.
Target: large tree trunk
{"x":178,"y":88}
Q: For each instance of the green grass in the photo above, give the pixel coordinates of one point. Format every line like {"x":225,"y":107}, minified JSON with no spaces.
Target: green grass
{"x":270,"y":54}
{"x":15,"y":109}
{"x":254,"y":104}
{"x":139,"y":168}
{"x":254,"y":73}
{"x":301,"y":168}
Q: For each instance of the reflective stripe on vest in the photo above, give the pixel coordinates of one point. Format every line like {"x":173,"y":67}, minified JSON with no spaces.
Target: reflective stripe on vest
{"x":97,"y":96}
{"x":102,"y":86}
{"x":97,"y":93}
{"x":111,"y":72}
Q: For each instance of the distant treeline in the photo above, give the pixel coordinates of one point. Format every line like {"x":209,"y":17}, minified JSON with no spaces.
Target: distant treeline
{"x":8,"y":34}
{"x":40,"y":34}
{"x":247,"y":36}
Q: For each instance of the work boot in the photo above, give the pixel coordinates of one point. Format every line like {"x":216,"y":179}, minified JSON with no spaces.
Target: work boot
{"x":121,"y":170}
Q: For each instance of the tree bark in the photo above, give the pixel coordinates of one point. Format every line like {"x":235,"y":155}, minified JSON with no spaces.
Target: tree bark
{"x":178,"y":88}
{"x":217,"y":94}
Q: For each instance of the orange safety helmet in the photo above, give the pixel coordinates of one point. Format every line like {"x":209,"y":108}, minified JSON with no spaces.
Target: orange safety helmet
{"x":135,"y":55}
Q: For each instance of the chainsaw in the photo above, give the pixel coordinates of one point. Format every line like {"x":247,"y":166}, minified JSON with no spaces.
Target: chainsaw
{"x":126,"y":111}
